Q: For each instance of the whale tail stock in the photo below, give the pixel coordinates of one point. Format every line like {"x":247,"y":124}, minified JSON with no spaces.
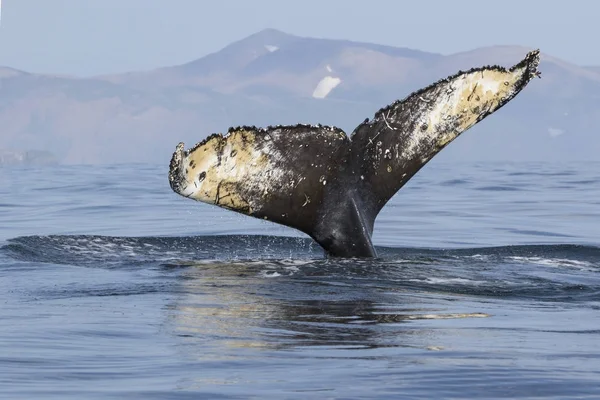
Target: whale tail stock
{"x":331,"y":187}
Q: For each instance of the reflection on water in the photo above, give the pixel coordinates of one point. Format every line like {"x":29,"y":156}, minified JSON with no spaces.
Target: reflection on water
{"x":410,"y":324}
{"x":244,"y":305}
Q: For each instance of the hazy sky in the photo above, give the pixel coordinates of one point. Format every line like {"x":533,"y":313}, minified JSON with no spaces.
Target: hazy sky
{"x":86,"y":37}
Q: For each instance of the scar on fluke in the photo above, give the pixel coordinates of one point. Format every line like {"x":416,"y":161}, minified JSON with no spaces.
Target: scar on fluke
{"x":316,"y":179}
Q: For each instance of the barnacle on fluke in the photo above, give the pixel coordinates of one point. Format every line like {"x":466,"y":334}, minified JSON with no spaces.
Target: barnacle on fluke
{"x":331,"y":187}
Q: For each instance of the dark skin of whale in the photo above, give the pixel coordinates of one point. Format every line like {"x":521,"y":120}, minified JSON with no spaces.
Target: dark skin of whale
{"x":316,"y":179}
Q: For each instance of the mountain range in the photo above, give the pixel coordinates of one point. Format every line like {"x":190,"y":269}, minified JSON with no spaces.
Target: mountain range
{"x":273,"y":78}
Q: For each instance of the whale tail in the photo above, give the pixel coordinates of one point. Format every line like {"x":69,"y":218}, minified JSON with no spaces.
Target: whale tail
{"x":331,"y":187}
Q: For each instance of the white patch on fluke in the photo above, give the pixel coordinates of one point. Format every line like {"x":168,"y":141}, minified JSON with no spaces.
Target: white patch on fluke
{"x":211,"y":169}
{"x":271,"y":48}
{"x":325,"y":86}
{"x":487,"y":85}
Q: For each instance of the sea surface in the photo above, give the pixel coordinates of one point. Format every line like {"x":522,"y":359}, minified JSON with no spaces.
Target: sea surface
{"x":487,"y":286}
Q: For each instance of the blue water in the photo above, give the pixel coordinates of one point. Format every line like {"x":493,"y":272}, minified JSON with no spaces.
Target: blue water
{"x":487,"y":286}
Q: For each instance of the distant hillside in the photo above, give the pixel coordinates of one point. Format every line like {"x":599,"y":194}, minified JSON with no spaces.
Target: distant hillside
{"x":595,"y":69}
{"x":272,"y":77}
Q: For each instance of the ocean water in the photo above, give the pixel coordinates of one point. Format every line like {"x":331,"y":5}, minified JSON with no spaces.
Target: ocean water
{"x":487,"y":286}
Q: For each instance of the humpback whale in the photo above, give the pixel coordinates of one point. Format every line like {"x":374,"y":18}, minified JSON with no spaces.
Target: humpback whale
{"x":316,"y":179}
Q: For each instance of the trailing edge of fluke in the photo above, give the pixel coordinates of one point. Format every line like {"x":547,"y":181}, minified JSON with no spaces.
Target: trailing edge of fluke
{"x":330,"y":186}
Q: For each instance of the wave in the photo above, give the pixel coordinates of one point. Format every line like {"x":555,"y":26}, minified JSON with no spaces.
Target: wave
{"x":564,"y":272}
{"x":109,"y":250}
{"x":115,"y":250}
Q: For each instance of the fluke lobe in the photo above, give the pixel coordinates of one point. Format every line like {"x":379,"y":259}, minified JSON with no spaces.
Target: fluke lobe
{"x":331,"y":187}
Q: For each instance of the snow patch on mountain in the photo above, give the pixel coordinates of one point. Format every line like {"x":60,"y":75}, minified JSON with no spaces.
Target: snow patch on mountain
{"x":325,"y":86}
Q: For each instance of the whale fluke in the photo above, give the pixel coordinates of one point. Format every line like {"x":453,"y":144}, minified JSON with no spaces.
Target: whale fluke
{"x":331,"y":187}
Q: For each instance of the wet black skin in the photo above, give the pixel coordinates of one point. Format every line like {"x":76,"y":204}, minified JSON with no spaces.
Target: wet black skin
{"x":346,"y":221}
